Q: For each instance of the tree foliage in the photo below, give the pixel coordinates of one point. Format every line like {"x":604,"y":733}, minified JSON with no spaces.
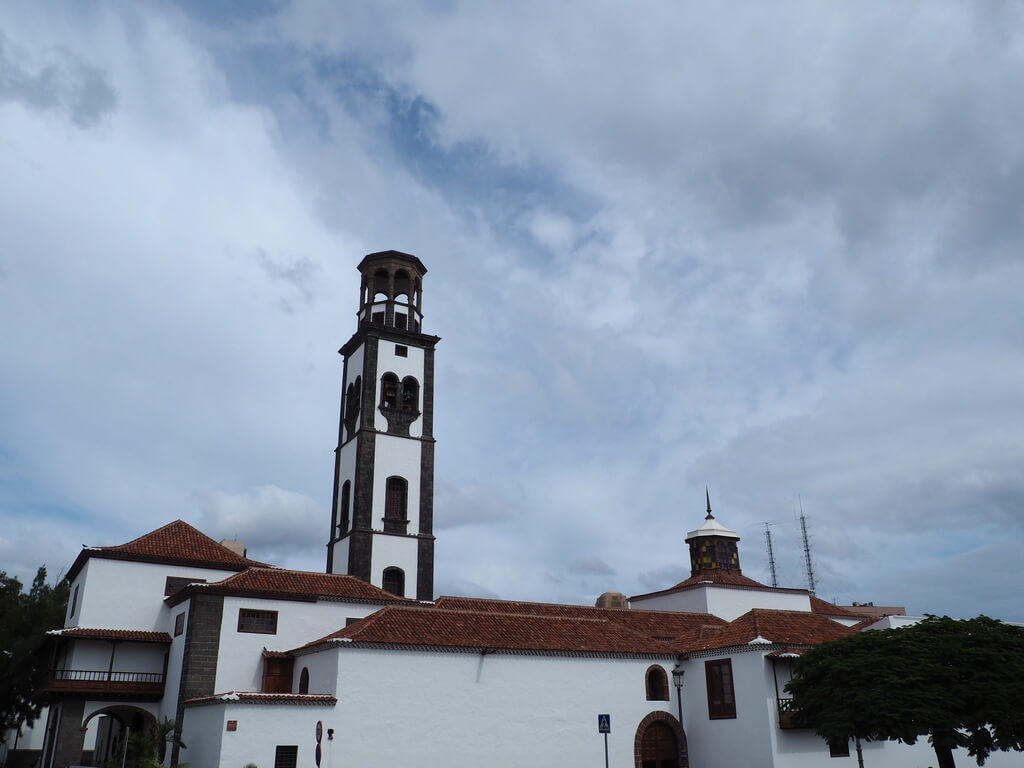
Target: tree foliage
{"x":958,"y":682}
{"x":148,"y":748}
{"x":24,"y":619}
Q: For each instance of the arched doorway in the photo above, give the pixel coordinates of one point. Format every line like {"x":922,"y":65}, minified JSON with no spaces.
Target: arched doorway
{"x":660,"y":742}
{"x":114,"y":725}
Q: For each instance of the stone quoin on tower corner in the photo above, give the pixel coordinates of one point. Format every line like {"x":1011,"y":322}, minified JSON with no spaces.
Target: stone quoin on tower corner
{"x":382,"y":512}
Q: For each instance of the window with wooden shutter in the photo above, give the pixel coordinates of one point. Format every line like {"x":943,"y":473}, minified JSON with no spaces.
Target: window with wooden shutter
{"x":395,"y":505}
{"x":721,"y":697}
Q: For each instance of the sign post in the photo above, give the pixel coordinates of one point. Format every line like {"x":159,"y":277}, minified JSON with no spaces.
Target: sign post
{"x":604,"y":725}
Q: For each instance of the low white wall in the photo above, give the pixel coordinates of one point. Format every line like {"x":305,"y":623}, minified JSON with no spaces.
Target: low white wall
{"x":202,"y":732}
{"x":468,"y":709}
{"x":687,"y":601}
{"x":730,"y":603}
{"x":725,"y":602}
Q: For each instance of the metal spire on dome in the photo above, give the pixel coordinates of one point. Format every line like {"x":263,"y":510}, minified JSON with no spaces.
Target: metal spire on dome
{"x":707,"y":495}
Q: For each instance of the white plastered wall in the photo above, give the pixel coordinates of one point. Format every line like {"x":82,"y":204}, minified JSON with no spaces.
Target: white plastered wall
{"x":203,"y":731}
{"x":730,"y":603}
{"x":740,"y":742}
{"x":685,"y":601}
{"x":452,"y":709}
{"x":515,"y":710}
{"x":395,"y":552}
{"x":175,"y":655}
{"x":323,"y":672}
{"x":239,"y":659}
{"x":397,"y":456}
{"x":123,"y":594}
{"x":260,"y":728}
{"x":725,"y":602}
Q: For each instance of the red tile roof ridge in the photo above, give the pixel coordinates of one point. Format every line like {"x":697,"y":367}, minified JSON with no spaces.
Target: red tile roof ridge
{"x":490,"y":630}
{"x":770,"y":626}
{"x":825,"y":608}
{"x":104,"y":633}
{"x":258,"y":697}
{"x":440,"y":603}
{"x":176,"y":543}
{"x":284,"y":584}
{"x":720,"y":578}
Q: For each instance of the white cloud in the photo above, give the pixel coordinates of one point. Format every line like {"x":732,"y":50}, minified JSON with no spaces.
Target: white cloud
{"x":664,"y":252}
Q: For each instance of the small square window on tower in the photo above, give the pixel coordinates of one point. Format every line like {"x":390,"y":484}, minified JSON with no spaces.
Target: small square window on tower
{"x":401,"y":350}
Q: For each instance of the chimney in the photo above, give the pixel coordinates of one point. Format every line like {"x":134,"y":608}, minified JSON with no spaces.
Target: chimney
{"x":612,"y":600}
{"x":238,"y":547}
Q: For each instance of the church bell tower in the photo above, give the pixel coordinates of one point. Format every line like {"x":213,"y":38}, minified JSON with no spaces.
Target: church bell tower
{"x":383,"y":508}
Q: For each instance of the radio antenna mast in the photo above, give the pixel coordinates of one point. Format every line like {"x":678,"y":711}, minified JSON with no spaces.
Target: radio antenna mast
{"x":807,"y":548}
{"x":771,"y":553}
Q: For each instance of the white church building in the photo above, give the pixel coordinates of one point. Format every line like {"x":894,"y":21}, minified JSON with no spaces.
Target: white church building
{"x":362,"y":666}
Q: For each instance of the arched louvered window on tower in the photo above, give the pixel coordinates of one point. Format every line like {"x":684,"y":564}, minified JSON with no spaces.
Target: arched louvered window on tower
{"x":410,"y":394}
{"x":345,"y":513}
{"x":304,"y":680}
{"x":389,"y":391}
{"x":396,"y":505}
{"x":353,"y":395}
{"x":394,"y":581}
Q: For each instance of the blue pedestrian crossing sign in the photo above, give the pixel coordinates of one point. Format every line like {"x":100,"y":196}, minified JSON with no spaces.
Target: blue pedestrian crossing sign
{"x":604,"y":723}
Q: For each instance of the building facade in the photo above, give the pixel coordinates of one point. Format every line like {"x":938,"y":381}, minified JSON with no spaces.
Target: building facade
{"x":362,"y":666}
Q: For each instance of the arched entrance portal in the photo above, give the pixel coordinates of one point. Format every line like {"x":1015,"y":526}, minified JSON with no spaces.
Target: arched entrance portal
{"x":114,"y":725}
{"x":660,"y":742}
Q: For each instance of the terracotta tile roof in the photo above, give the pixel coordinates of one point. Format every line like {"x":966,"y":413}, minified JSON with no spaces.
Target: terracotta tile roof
{"x":492,"y":630}
{"x":862,"y":625}
{"x":283,"y":584}
{"x":877,"y":611}
{"x":89,"y":633}
{"x":785,"y":653}
{"x":240,"y":697}
{"x":770,"y":626}
{"x":661,"y":625}
{"x":176,"y":543}
{"x":720,"y":577}
{"x":825,"y":608}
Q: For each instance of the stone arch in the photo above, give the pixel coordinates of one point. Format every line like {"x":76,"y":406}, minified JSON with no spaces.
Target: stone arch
{"x":654,"y":722}
{"x":114,"y":722}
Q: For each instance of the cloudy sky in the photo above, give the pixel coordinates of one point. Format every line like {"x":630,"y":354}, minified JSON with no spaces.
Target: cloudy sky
{"x":772,"y":249}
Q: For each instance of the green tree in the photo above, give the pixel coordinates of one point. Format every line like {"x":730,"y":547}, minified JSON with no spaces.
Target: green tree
{"x":24,"y":619}
{"x":148,"y":748}
{"x":958,"y":682}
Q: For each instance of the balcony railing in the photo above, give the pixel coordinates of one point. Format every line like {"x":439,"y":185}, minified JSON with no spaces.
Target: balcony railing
{"x":110,"y":676}
{"x":786,"y":713}
{"x":104,"y":683}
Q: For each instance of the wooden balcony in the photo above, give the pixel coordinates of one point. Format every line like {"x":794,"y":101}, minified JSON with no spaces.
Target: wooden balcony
{"x":104,"y":684}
